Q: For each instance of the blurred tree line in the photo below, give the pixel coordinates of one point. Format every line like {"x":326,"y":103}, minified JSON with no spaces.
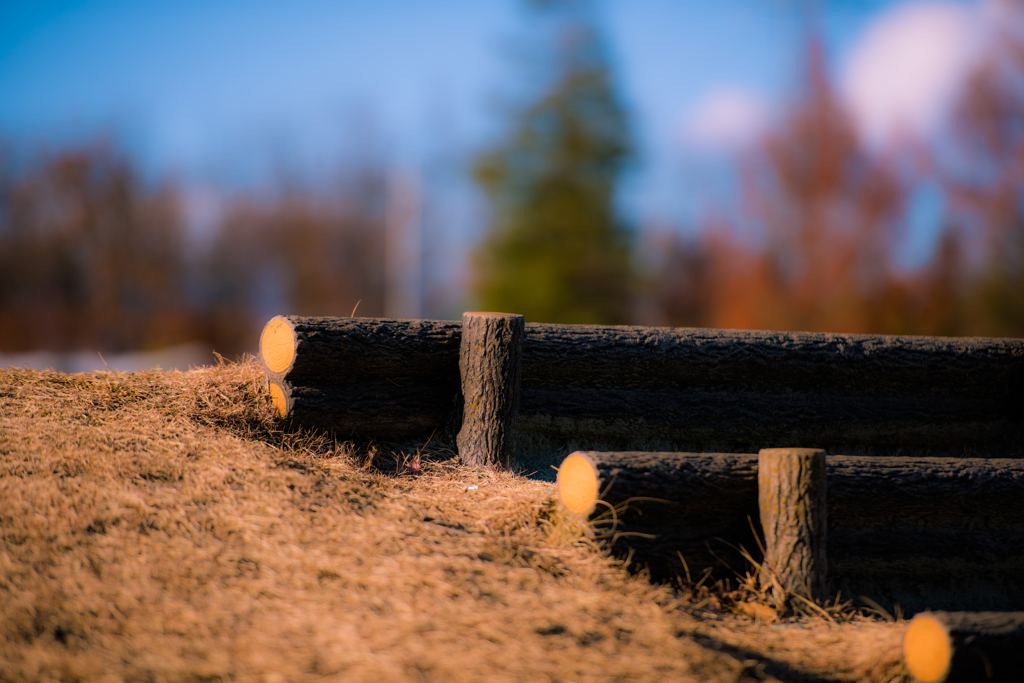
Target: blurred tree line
{"x":93,"y":256}
{"x":820,"y":220}
{"x":828,"y":217}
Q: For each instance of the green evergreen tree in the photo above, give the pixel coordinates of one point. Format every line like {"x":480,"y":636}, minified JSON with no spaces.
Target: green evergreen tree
{"x":557,"y":250}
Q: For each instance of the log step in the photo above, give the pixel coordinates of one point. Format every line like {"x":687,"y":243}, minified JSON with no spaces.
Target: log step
{"x":365,"y":377}
{"x":926,"y":533}
{"x":587,"y":387}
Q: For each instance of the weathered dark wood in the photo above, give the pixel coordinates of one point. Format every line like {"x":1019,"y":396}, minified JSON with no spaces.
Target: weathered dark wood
{"x":349,"y":350}
{"x":965,"y":647}
{"x":698,"y":506}
{"x":792,"y":501}
{"x":926,"y":533}
{"x":938,"y":533}
{"x":371,"y":377}
{"x":686,"y":389}
{"x":491,"y":367}
{"x":378,"y":410}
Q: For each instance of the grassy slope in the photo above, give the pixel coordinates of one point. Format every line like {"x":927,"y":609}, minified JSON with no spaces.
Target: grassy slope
{"x":159,"y":526}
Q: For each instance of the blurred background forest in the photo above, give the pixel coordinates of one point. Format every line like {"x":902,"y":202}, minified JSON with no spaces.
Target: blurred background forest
{"x":810,"y":232}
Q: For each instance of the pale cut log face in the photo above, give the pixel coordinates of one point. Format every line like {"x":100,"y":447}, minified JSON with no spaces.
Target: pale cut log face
{"x":926,"y":649}
{"x":277,"y":344}
{"x":578,"y":484}
{"x":280,"y":402}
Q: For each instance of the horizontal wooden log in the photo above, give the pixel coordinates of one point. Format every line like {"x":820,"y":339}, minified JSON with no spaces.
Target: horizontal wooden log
{"x":685,"y":389}
{"x":332,"y":350}
{"x":681,"y":389}
{"x":965,"y":647}
{"x":365,"y":377}
{"x":938,"y":533}
{"x":697,"y":506}
{"x":372,"y":410}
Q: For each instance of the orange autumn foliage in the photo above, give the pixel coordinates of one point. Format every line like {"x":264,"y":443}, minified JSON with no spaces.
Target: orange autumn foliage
{"x":822,"y":218}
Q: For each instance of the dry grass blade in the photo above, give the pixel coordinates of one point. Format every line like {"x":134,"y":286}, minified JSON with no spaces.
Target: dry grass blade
{"x":878,"y":609}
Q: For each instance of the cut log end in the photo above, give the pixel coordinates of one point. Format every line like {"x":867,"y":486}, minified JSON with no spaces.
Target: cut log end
{"x":277,"y":345}
{"x":927,"y":650}
{"x":790,"y":452}
{"x":489,"y":314}
{"x":578,"y":484}
{"x":280,"y":402}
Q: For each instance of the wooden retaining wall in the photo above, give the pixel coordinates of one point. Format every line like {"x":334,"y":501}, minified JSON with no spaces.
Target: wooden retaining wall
{"x":922,"y":510}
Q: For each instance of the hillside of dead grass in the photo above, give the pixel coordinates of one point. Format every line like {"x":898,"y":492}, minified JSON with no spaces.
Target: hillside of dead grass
{"x":162,"y":526}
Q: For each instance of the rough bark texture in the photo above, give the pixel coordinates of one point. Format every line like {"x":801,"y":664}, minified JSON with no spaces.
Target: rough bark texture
{"x":491,"y":367}
{"x":681,"y":389}
{"x":792,"y":501}
{"x":927,"y":533}
{"x":924,"y":533}
{"x":702,"y":390}
{"x":372,"y":377}
{"x":987,"y":646}
{"x":698,"y":505}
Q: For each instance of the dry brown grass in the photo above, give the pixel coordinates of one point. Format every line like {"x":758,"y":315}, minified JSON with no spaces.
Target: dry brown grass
{"x":162,"y":527}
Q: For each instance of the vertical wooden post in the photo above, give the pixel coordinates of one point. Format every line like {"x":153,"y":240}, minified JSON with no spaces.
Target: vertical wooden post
{"x":490,"y":364}
{"x":791,"y":498}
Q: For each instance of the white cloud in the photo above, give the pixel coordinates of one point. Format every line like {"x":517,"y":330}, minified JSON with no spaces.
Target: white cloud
{"x":905,"y":71}
{"x":726,"y":119}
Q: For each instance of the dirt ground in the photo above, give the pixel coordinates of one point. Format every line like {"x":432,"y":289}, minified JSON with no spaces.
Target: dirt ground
{"x":161,"y":526}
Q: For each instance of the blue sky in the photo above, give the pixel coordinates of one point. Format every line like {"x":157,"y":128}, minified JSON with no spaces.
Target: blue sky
{"x":217,"y":93}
